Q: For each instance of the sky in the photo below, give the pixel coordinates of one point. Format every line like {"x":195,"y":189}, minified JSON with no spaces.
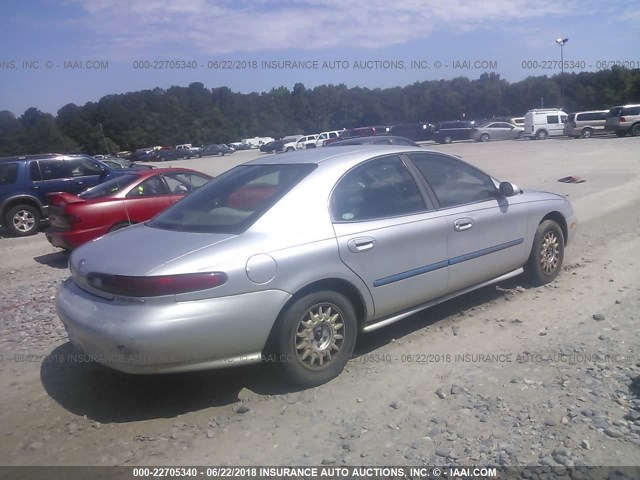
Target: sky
{"x":55,"y":52}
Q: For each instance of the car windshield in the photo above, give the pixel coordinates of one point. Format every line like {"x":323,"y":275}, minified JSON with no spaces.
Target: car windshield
{"x":109,"y":187}
{"x":232,"y":202}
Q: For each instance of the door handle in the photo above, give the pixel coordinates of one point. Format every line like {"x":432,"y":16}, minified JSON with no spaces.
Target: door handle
{"x":462,"y":224}
{"x":361,"y":244}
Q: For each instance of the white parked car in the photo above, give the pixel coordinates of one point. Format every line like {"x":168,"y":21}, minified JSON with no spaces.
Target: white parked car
{"x":541,"y":123}
{"x":308,"y":141}
{"x":324,"y":136}
{"x":291,"y":142}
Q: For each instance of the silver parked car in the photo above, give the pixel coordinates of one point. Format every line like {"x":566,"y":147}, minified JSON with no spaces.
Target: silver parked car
{"x":290,"y":261}
{"x":496,"y":131}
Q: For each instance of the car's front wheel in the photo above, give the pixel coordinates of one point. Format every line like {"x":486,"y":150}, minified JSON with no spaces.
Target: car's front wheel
{"x":447,"y":140}
{"x":587,"y":133}
{"x":547,"y":254}
{"x":484,"y":137}
{"x":635,"y":130}
{"x":315,"y":338}
{"x":22,"y":220}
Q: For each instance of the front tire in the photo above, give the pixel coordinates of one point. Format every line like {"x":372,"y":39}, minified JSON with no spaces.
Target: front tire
{"x":315,"y":337}
{"x":447,"y":140}
{"x":635,"y":130}
{"x":547,"y":254}
{"x":484,"y":137}
{"x":22,"y":220}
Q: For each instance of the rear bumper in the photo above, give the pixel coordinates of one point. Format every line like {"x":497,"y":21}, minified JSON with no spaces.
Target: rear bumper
{"x":70,"y":239}
{"x":163,"y":336}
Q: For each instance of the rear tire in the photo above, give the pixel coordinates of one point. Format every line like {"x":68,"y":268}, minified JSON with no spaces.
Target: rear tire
{"x":541,"y":135}
{"x":587,"y":133}
{"x":22,"y":220}
{"x":447,"y":140}
{"x":315,"y":337}
{"x":547,"y":254}
{"x":635,"y":130}
{"x":485,"y":137}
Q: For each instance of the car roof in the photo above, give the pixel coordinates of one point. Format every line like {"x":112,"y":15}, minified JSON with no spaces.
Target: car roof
{"x":38,"y":156}
{"x":349,"y":155}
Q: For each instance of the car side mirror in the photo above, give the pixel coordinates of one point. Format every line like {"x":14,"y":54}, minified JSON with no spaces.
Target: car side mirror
{"x":508,"y":189}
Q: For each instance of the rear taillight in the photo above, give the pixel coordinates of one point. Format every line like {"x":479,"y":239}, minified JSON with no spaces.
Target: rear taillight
{"x":622,"y":120}
{"x":155,"y":286}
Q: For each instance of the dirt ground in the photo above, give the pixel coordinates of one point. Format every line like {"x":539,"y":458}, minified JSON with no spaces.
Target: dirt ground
{"x":506,"y":375}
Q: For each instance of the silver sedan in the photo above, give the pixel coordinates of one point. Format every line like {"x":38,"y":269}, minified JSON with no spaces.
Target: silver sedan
{"x":288,"y":261}
{"x":496,"y":131}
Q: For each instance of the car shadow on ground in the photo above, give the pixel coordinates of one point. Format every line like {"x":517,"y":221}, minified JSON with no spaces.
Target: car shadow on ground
{"x":108,"y":396}
{"x":56,"y":259}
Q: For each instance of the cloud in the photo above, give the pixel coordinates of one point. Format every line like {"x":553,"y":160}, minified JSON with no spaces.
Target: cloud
{"x":129,"y":28}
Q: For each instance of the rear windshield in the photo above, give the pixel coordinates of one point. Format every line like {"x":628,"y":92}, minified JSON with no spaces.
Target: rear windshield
{"x":108,"y":188}
{"x":8,"y":173}
{"x":232,"y":202}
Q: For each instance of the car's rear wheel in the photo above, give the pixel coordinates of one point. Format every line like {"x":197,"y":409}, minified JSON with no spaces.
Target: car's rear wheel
{"x":587,"y":133}
{"x":220,"y":154}
{"x":541,"y":135}
{"x":484,"y":137}
{"x":315,"y":338}
{"x":547,"y":254}
{"x":447,"y":139}
{"x":635,"y":130}
{"x":290,"y":149}
{"x":22,"y":220}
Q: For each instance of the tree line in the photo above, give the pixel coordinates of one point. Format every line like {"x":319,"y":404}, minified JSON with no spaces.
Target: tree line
{"x":198,"y":115}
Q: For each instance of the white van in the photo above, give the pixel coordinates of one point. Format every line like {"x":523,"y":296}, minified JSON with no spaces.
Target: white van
{"x":291,"y":142}
{"x":541,"y":123}
{"x":184,"y":146}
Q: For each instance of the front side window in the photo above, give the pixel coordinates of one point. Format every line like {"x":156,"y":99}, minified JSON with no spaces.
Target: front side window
{"x":83,"y":167}
{"x":454,"y":182}
{"x":181,"y":183}
{"x":380,"y":188}
{"x":232,"y":202}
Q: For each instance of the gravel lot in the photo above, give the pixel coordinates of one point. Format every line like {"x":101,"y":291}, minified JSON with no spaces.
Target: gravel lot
{"x":506,"y":375}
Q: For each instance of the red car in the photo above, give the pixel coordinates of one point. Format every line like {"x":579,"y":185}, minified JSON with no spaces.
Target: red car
{"x":120,"y":202}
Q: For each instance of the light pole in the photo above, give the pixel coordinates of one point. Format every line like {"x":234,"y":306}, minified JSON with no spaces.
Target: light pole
{"x":561,"y":43}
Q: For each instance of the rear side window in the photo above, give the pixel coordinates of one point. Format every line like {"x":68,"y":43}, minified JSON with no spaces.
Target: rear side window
{"x":630,"y":111}
{"x":232,"y":202}
{"x":109,"y":187}
{"x":8,"y":173}
{"x":380,"y":188}
{"x":54,"y":169}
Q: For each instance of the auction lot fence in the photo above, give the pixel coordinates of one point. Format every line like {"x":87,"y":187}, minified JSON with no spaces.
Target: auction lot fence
{"x":324,"y":472}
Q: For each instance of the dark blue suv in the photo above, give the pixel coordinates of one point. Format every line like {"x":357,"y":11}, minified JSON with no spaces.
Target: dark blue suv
{"x":25,"y":182}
